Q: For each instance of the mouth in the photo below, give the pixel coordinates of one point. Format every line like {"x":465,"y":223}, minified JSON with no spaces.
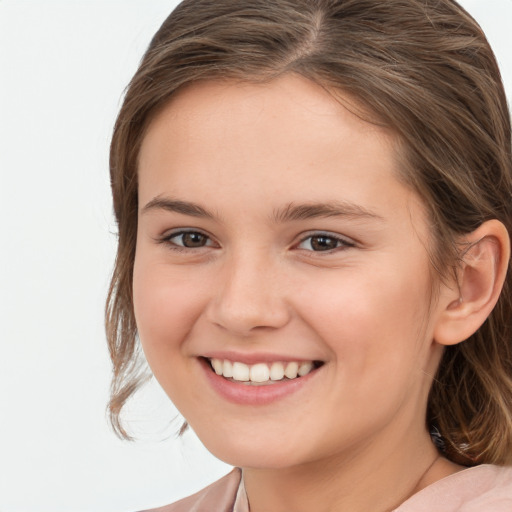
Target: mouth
{"x":262,"y":373}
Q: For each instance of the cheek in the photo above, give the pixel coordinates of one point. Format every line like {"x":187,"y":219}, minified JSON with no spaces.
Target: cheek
{"x":166,"y":307}
{"x":374,"y":320}
{"x":374,"y":329}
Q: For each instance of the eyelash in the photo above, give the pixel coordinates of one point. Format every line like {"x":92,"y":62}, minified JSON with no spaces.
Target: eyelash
{"x":169,"y":240}
{"x":340,"y":243}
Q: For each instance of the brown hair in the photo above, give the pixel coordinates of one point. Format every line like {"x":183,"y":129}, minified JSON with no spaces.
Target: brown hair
{"x":421,"y":67}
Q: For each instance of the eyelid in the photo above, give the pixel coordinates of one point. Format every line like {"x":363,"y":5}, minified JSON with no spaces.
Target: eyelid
{"x":345,"y":242}
{"x":167,"y":237}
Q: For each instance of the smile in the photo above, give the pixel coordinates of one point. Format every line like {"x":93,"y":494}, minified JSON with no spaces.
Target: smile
{"x":258,"y":382}
{"x":262,"y":373}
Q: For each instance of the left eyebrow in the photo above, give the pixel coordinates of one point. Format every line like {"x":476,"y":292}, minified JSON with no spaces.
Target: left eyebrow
{"x":293,"y":212}
{"x":176,"y":206}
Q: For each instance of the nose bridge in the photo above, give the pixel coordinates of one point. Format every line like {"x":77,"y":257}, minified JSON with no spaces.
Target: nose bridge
{"x":249,"y":296}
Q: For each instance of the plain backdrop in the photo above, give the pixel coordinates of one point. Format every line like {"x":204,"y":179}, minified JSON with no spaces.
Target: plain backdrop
{"x":63,"y":67}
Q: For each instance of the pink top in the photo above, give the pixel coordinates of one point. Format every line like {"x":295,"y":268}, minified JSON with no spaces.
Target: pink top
{"x":483,"y":488}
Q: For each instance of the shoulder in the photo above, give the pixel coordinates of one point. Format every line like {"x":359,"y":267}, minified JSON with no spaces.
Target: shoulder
{"x":496,"y":490}
{"x":482,"y":488}
{"x":219,"y":496}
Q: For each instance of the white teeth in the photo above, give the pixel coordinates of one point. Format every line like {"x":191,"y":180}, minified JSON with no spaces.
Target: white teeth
{"x":217,"y":366}
{"x":276,"y":371}
{"x":227,"y":369}
{"x":240,"y":372}
{"x":304,"y":369}
{"x":291,"y":370}
{"x":261,"y":372}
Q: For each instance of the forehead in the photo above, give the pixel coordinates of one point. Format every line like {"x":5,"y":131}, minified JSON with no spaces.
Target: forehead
{"x":290,"y":136}
{"x":289,"y":99}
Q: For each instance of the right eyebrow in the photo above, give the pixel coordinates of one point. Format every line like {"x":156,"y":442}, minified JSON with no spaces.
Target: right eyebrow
{"x":173,"y":205}
{"x":293,"y":212}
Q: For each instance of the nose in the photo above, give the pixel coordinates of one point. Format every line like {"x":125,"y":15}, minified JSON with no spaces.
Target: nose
{"x":250,"y":297}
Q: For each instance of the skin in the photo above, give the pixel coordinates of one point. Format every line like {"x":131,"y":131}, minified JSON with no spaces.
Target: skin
{"x":353,"y":437}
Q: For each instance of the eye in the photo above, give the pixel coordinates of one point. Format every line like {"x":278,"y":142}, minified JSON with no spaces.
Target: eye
{"x":189,"y":239}
{"x":323,"y":242}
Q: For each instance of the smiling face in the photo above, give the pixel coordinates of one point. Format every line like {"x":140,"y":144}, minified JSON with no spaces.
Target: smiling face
{"x":274,"y":237}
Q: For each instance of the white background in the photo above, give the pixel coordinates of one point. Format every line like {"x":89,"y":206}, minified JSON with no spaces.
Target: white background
{"x":63,"y":67}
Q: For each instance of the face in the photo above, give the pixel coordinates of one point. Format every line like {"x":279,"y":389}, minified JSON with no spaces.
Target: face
{"x":275,"y":238}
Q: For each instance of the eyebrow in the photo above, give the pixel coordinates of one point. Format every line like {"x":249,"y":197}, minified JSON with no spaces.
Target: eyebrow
{"x":294,"y":212}
{"x":176,"y":206}
{"x":291,"y":212}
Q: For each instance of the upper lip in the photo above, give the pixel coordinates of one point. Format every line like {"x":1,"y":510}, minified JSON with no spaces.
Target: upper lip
{"x":255,"y":357}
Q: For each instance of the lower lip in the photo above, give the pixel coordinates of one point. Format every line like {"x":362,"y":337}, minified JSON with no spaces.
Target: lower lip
{"x":246,"y":394}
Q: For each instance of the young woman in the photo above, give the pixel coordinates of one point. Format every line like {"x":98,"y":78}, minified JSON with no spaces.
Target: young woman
{"x":314,"y":209}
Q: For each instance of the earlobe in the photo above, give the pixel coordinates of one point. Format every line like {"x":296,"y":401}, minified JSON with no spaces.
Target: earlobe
{"x":485,"y":256}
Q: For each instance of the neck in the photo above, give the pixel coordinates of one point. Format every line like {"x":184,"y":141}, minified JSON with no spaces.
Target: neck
{"x":366,"y":479}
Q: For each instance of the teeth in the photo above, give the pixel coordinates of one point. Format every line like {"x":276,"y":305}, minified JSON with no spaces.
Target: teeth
{"x":304,"y":369}
{"x":276,"y":371}
{"x":227,"y":369}
{"x":291,"y":370}
{"x":261,"y":372}
{"x":217,"y":366}
{"x":240,"y":372}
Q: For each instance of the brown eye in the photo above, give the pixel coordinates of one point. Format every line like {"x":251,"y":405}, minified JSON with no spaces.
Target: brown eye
{"x":190,"y":239}
{"x":324,"y":242}
{"x":194,"y":239}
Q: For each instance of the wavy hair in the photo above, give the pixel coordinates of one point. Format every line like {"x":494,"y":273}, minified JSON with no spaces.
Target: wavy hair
{"x":424,"y":69}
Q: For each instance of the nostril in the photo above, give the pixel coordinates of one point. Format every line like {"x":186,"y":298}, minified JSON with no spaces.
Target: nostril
{"x":247,"y":321}
{"x":246,"y":301}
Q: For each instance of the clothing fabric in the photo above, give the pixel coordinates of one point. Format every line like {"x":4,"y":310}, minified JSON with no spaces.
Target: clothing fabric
{"x":484,"y":488}
{"x":217,"y":497}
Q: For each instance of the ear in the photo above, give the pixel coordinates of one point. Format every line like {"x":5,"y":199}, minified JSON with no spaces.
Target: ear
{"x":465,"y":306}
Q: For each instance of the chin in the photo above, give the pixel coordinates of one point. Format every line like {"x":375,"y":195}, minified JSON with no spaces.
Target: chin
{"x":245,"y":452}
{"x":255,"y":459}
